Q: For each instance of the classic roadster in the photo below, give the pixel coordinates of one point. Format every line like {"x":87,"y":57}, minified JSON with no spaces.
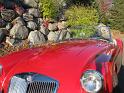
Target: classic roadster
{"x":73,"y":66}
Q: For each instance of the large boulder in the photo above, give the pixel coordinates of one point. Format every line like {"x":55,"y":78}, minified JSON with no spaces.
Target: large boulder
{"x":8,"y":14}
{"x":19,"y":10}
{"x":27,"y":17}
{"x":61,"y":25}
{"x":52,"y":26}
{"x":103,"y":31}
{"x":6,"y":32}
{"x":32,"y":25}
{"x":35,"y":12}
{"x":10,"y":41}
{"x":63,"y":34}
{"x":39,"y":21}
{"x":9,"y":4}
{"x":36,"y":37}
{"x":52,"y":36}
{"x":2,"y":23}
{"x":18,"y":31}
{"x":1,"y":1}
{"x":31,"y":3}
{"x":44,"y":30}
{"x":19,"y":20}
{"x":9,"y":26}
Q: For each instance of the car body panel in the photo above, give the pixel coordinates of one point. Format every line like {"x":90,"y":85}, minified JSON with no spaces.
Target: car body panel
{"x":64,"y":62}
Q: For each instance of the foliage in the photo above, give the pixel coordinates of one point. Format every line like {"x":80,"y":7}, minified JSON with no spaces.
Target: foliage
{"x":49,"y":8}
{"x":85,"y":17}
{"x":84,"y":2}
{"x":83,"y":32}
{"x":117,"y":15}
{"x":78,"y":15}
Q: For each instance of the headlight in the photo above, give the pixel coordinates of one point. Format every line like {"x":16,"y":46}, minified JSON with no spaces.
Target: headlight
{"x":91,"y":81}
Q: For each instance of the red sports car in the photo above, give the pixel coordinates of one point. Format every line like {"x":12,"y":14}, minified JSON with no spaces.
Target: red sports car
{"x":74,"y":66}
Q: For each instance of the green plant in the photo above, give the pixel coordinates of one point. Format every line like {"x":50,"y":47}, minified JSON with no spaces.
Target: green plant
{"x":49,"y":8}
{"x":117,"y":15}
{"x":85,"y":17}
{"x":79,"y":15}
{"x":83,"y":32}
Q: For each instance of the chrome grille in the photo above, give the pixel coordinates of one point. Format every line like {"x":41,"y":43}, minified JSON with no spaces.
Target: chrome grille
{"x":42,"y":87}
{"x":32,"y":83}
{"x":18,"y":85}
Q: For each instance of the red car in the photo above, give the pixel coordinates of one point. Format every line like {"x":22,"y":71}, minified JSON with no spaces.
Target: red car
{"x":74,"y":66}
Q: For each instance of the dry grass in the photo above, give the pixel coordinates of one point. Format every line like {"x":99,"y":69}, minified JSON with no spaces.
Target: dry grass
{"x":10,"y":49}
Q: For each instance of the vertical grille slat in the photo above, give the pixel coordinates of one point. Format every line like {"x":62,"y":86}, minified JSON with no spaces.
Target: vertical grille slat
{"x":42,"y":87}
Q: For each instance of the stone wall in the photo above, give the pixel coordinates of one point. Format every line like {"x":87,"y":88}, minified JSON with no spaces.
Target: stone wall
{"x":22,"y":20}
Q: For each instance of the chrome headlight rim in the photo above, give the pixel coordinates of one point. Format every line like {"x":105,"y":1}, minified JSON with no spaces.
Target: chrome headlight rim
{"x":96,"y":75}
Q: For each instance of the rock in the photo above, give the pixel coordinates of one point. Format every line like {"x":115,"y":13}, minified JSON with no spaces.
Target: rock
{"x":52,"y":26}
{"x":32,"y":25}
{"x":10,"y":41}
{"x":1,"y":7}
{"x":18,"y":31}
{"x":31,"y":3}
{"x":52,"y":36}
{"x":9,"y":26}
{"x":8,"y":14}
{"x":103,"y":31}
{"x":64,"y":34}
{"x":35,"y":12}
{"x":2,"y":36}
{"x":4,"y":30}
{"x":61,"y":25}
{"x":14,"y":42}
{"x":27,"y":17}
{"x":9,"y":4}
{"x":39,"y":21}
{"x":1,"y":1}
{"x":2,"y":45}
{"x":36,"y":37}
{"x":44,"y":30}
{"x":2,"y":23}
{"x":19,"y":10}
{"x":19,"y":20}
{"x":68,"y":35}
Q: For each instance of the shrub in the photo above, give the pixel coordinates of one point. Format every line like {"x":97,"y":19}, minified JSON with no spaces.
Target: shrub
{"x":83,"y":32}
{"x":85,"y":17}
{"x":78,"y":15}
{"x":117,"y":15}
{"x":49,"y":8}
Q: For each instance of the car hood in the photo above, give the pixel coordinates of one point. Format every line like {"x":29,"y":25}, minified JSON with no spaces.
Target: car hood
{"x":57,"y":56}
{"x":63,"y":62}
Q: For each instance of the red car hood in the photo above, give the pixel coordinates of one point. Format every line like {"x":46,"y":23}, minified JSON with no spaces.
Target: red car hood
{"x":67,"y":54}
{"x":64,"y":62}
{"x":62,"y":54}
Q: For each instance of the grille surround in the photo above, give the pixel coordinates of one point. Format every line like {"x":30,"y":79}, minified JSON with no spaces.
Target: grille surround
{"x":36,"y":84}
